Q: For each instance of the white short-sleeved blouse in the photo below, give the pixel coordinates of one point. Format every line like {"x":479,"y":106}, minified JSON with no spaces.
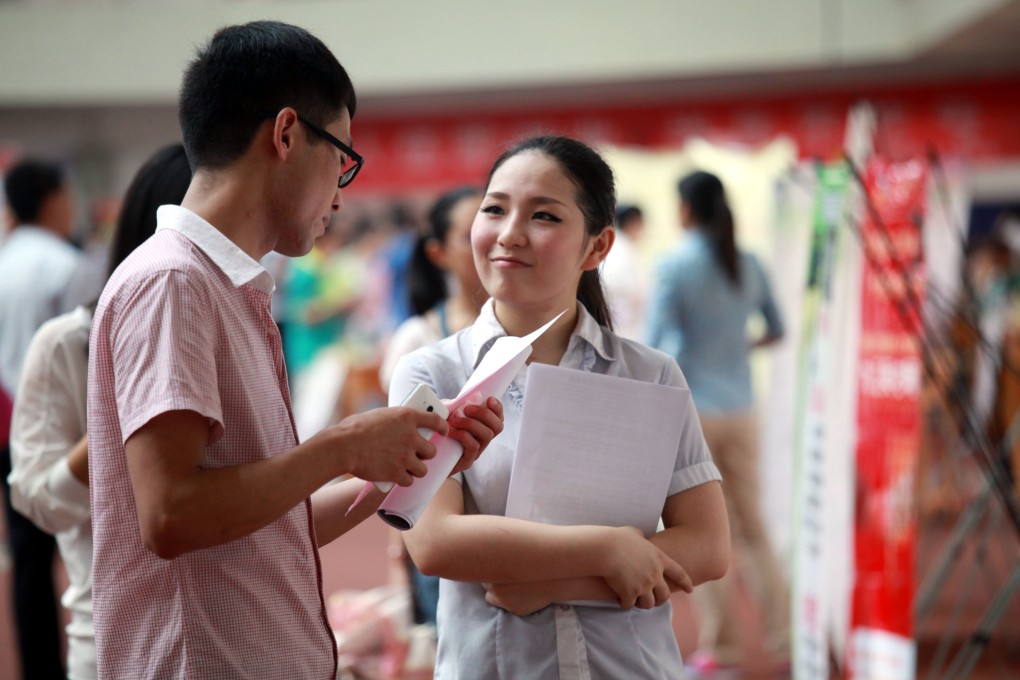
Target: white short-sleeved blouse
{"x":477,"y":640}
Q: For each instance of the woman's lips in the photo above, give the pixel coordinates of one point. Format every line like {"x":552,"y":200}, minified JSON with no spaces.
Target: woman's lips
{"x":508,"y":262}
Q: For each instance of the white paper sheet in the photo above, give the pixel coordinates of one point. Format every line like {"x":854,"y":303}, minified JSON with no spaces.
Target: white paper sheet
{"x":403,"y":505}
{"x":595,"y":449}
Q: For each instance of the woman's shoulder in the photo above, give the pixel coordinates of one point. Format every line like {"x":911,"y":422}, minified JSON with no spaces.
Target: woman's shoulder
{"x":70,"y":328}
{"x":417,"y":331}
{"x":439,"y":355}
{"x":412,"y":334}
{"x":638,"y":361}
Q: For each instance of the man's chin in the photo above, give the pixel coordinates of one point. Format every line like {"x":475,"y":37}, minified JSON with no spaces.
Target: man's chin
{"x":296,"y":249}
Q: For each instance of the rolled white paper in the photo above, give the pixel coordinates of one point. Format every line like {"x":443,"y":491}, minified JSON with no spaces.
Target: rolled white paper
{"x":405,"y":504}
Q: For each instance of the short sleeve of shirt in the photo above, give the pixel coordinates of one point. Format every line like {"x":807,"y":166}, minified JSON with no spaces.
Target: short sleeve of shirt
{"x":163,"y":348}
{"x":694,"y":465}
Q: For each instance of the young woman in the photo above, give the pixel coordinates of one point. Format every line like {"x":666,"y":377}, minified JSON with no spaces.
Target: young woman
{"x":446,"y":295}
{"x":544,"y":226}
{"x":706,"y":291}
{"x":442,"y":281}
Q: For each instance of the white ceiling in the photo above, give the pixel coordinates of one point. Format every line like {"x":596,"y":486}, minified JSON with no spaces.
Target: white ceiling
{"x":985,"y":48}
{"x":409,"y":55}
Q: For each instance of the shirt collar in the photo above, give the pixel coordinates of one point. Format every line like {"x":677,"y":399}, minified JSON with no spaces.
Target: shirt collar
{"x":239,"y":267}
{"x":487,"y":329}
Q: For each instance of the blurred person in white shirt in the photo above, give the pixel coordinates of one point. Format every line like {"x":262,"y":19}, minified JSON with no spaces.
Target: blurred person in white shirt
{"x":623,"y":275}
{"x":38,"y":263}
{"x":49,"y":449}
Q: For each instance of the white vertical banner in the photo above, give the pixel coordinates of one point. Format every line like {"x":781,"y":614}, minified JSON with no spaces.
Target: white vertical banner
{"x":823,"y":483}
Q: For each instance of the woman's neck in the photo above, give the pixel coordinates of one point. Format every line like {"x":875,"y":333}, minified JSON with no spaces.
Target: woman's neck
{"x":548,"y":348}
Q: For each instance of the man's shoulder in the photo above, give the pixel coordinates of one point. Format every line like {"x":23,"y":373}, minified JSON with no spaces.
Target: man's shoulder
{"x":164,"y":251}
{"x":167,"y":261}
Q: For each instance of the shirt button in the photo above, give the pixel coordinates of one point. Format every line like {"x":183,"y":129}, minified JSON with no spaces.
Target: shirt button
{"x":564,"y":607}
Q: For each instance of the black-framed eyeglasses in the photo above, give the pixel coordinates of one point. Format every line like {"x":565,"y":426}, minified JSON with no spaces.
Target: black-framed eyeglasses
{"x":350,"y":173}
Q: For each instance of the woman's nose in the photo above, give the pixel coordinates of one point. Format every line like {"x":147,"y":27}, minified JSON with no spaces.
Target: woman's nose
{"x":511,"y":231}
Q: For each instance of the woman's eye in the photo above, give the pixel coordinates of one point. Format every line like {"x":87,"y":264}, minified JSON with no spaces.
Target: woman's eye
{"x":547,"y":217}
{"x":491,"y":209}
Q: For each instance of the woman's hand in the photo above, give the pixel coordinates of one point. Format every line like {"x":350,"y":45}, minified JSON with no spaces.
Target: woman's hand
{"x":640,"y":573}
{"x":479,"y":425}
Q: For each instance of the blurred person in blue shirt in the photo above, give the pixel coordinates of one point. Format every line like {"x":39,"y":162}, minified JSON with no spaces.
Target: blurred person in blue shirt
{"x":706,"y":290}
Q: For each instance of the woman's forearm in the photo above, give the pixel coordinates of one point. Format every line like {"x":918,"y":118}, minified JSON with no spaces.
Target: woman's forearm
{"x":332,"y":512}
{"x":697,"y":534}
{"x":486,"y":548}
{"x":78,"y":460}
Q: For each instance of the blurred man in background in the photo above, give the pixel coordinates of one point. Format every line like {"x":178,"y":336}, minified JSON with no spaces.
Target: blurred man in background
{"x":38,"y":264}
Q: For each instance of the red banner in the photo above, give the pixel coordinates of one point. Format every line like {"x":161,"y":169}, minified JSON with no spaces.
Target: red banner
{"x":888,"y":421}
{"x":425,"y":153}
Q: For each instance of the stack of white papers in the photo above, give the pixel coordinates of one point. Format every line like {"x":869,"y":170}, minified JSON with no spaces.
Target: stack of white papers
{"x":595,"y":449}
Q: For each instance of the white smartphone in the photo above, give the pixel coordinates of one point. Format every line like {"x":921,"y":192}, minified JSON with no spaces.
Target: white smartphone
{"x":421,"y":398}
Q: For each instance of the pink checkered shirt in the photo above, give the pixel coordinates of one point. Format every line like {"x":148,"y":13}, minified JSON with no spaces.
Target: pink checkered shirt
{"x":185,"y":324}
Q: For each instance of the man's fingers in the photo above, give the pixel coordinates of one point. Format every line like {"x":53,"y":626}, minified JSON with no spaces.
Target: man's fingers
{"x":417,"y":468}
{"x":424,"y":420}
{"x":425,"y":450}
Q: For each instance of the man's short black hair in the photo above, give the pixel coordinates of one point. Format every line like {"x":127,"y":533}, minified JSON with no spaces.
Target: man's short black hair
{"x":625,"y":212}
{"x":246,"y":74}
{"x":28,"y":184}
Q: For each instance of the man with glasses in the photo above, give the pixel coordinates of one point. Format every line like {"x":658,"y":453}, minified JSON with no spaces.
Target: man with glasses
{"x":207,"y":512}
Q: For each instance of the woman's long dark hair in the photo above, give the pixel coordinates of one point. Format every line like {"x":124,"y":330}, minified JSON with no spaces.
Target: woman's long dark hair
{"x":596,"y":197}
{"x":426,"y":283}
{"x":704,"y":195}
{"x":162,"y":180}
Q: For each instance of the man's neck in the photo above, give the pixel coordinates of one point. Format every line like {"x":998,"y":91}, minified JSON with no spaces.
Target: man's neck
{"x":228,"y":202}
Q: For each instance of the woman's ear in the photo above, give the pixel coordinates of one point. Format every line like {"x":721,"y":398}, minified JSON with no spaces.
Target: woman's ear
{"x":684,"y":211}
{"x":436,"y":253}
{"x":598,"y":247}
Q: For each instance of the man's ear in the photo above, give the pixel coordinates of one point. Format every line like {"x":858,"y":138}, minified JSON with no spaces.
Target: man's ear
{"x":598,"y":247}
{"x":284,"y":130}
